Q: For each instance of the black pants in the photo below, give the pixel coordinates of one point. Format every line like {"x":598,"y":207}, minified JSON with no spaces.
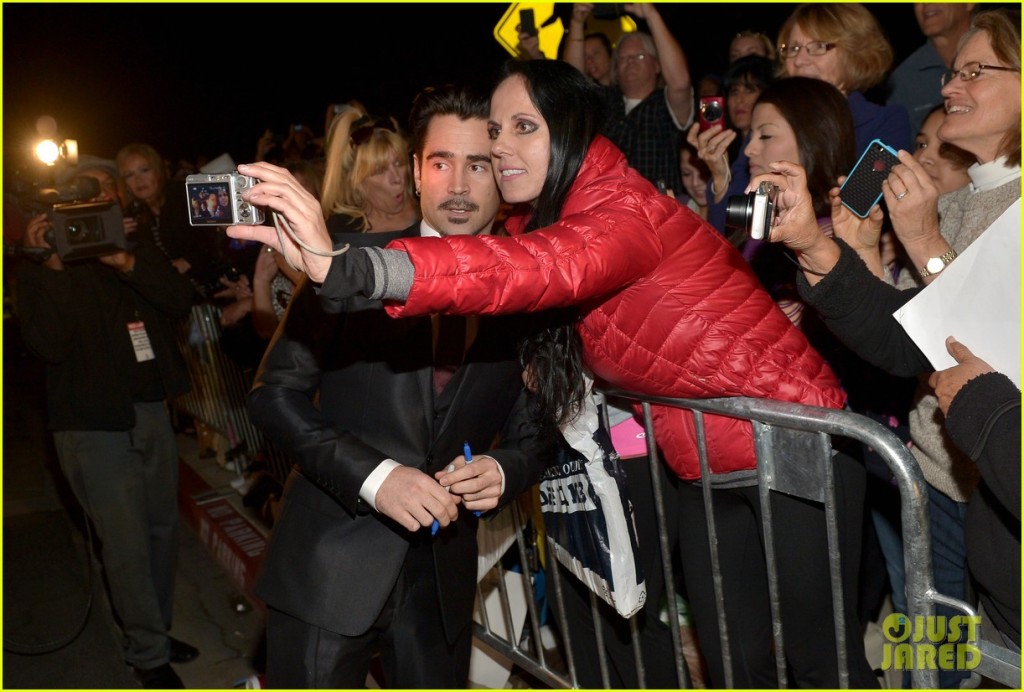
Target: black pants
{"x":408,"y":634}
{"x":802,"y":559}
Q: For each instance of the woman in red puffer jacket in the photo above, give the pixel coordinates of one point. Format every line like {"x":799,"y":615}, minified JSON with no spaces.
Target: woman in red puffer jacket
{"x":666,"y":308}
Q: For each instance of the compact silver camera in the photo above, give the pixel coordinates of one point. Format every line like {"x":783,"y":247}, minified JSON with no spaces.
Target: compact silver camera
{"x":216,"y":200}
{"x":754,"y":212}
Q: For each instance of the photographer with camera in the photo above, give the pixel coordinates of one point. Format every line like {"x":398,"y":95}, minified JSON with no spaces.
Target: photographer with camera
{"x":103,"y":327}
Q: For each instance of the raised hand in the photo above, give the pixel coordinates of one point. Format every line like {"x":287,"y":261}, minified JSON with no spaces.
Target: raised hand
{"x":581,"y":10}
{"x":712,"y":147}
{"x":912,"y":199}
{"x":797,"y":225}
{"x":278,"y":190}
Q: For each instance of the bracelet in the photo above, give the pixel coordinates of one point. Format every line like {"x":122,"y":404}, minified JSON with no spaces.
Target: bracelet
{"x":795,"y":261}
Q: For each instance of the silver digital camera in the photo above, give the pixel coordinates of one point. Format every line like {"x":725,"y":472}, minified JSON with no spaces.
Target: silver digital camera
{"x":216,"y":200}
{"x":754,"y":212}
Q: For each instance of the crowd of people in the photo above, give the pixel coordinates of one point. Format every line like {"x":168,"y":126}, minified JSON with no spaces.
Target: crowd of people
{"x":539,"y":215}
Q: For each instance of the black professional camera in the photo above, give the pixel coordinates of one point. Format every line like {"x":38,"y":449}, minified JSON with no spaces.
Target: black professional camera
{"x":81,"y":229}
{"x":86,"y":229}
{"x":754,"y":212}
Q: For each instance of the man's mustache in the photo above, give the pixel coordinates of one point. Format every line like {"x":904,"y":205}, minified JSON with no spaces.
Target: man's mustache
{"x":458,"y":203}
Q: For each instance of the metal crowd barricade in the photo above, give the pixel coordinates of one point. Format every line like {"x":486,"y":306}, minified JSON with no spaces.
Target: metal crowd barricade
{"x":781,"y":431}
{"x":219,"y":389}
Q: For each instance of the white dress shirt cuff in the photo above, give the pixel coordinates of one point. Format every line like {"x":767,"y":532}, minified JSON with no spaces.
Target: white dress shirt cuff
{"x":368,"y":492}
{"x":502,"y":472}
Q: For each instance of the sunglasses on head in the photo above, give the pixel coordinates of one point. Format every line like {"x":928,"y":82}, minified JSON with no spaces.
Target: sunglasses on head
{"x":363,"y":129}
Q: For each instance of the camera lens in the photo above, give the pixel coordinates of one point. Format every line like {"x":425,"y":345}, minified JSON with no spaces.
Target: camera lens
{"x":82,"y":230}
{"x":711,"y":111}
{"x":739,"y":211}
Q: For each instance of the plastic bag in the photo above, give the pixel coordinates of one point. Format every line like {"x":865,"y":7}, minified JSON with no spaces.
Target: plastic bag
{"x":588,"y":515}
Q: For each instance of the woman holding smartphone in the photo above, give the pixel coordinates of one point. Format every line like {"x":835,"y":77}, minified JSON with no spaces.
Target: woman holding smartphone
{"x":973,"y":526}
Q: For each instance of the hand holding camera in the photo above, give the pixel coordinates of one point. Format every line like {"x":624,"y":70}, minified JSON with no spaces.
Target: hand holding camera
{"x":36,"y":244}
{"x":859,"y":233}
{"x":911,"y":199}
{"x":795,"y":222}
{"x":121,"y":260}
{"x":304,"y":240}
{"x":131,"y":224}
{"x":712,"y":145}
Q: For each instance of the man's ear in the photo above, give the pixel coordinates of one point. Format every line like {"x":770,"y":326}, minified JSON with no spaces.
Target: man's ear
{"x":416,"y":173}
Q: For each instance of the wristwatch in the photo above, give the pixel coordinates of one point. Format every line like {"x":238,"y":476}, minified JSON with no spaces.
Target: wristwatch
{"x":936,"y":264}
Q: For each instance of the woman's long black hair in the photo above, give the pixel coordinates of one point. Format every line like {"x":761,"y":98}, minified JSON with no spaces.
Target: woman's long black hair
{"x":572,"y":108}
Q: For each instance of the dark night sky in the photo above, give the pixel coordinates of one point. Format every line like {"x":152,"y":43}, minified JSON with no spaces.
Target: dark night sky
{"x":114,"y":73}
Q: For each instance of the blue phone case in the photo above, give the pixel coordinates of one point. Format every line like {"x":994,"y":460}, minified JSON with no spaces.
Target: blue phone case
{"x":863,"y":186}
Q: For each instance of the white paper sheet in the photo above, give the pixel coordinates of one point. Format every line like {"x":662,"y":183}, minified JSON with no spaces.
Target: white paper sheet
{"x":976,"y":299}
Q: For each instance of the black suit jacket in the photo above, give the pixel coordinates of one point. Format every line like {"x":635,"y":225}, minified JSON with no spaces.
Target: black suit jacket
{"x":342,"y":392}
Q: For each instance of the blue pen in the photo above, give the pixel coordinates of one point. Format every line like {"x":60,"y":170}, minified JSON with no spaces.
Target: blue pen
{"x":467,"y":454}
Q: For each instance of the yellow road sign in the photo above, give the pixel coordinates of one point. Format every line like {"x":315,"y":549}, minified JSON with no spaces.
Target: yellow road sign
{"x":506,"y":32}
{"x":551,"y":30}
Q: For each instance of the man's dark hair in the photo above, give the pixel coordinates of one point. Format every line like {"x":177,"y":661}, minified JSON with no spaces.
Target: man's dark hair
{"x":465,"y":101}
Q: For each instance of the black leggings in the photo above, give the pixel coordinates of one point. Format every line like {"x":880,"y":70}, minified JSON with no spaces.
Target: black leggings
{"x":802,"y":559}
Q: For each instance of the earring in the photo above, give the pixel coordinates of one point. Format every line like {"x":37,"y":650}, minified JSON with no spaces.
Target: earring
{"x":417,"y":192}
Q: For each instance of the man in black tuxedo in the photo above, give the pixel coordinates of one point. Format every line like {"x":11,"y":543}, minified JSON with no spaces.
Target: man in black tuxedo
{"x":353,"y":568}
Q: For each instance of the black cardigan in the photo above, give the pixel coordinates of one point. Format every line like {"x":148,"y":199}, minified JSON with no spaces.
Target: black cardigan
{"x":983,"y":420}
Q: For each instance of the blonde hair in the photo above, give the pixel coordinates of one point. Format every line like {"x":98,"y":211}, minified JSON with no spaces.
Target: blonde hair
{"x":761,"y":38}
{"x":866,"y":52}
{"x":155,"y":161}
{"x":348,"y":164}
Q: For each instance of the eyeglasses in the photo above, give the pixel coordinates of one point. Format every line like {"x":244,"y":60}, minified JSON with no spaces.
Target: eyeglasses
{"x":638,"y":57}
{"x":363,"y":129}
{"x":971,"y":71}
{"x":789,"y":50}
